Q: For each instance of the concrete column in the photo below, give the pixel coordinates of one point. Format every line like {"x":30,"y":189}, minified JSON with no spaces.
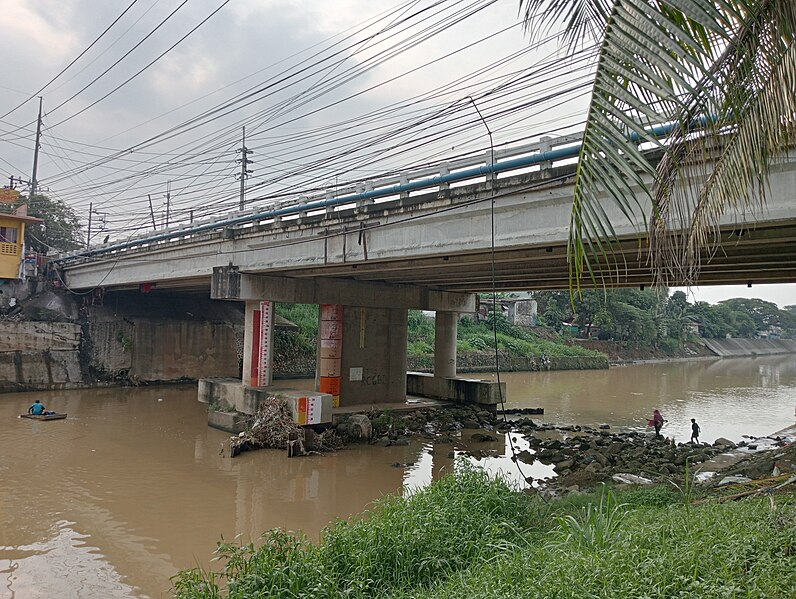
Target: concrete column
{"x":445,"y":327}
{"x":258,"y":340}
{"x":373,"y":361}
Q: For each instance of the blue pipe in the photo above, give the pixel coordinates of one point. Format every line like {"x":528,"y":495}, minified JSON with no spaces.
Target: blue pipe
{"x":506,"y":165}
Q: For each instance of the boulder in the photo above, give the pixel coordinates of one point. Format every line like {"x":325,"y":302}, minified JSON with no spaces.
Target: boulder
{"x":359,"y":427}
{"x":723,"y":443}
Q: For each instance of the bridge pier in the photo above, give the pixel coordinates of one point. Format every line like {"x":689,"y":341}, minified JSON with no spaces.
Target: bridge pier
{"x":362,"y":336}
{"x":258,"y":337}
{"x":446,"y":325}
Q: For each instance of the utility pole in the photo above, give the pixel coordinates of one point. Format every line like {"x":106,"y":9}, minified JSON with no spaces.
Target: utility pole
{"x":36,"y":154}
{"x":168,"y":202}
{"x":244,"y":172}
{"x":152,"y":212}
{"x":90,"y":213}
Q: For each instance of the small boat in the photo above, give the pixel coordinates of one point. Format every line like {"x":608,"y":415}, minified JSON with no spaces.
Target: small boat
{"x":43,"y":416}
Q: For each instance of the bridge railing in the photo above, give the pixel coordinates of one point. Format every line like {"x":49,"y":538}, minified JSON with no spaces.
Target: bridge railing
{"x":440,"y":176}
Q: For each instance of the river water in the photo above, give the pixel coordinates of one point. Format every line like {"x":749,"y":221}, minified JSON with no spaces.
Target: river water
{"x":132,"y":486}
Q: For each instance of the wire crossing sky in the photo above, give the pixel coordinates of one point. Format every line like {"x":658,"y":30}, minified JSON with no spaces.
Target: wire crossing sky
{"x":328,"y":95}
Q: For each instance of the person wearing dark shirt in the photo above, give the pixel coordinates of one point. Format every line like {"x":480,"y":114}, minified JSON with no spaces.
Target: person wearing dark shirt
{"x":695,"y":430}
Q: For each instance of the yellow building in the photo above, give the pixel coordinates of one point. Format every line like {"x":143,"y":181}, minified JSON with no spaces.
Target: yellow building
{"x":12,"y":244}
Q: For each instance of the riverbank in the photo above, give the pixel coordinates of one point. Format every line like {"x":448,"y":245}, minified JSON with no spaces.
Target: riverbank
{"x":471,"y":536}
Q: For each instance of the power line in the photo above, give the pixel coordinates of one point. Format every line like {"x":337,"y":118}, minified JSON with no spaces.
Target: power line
{"x":129,"y":79}
{"x":74,"y":60}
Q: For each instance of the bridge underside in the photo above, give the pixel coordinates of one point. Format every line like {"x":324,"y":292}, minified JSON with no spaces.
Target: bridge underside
{"x":761,"y":255}
{"x":765,"y":254}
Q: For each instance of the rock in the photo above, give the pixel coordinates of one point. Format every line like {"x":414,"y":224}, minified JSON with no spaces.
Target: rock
{"x":383,"y":442}
{"x":401,"y":441}
{"x":734,"y":479}
{"x":594,"y":467}
{"x":483,"y":438}
{"x":565,"y":464}
{"x":595,"y":456}
{"x":485,"y":415}
{"x":470,"y":424}
{"x":630,"y":479}
{"x":442,"y":439}
{"x":723,"y":443}
{"x":526,"y":457}
{"x":451,"y":454}
{"x":359,"y":427}
{"x":605,"y":426}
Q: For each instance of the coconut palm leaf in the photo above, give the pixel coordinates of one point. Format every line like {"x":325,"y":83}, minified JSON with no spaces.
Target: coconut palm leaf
{"x":751,"y":97}
{"x":723,"y":65}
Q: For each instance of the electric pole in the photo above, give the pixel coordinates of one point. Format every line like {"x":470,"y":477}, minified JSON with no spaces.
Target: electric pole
{"x":36,"y":154}
{"x":88,"y":235}
{"x":168,"y":202}
{"x":152,"y":212}
{"x":244,"y":171}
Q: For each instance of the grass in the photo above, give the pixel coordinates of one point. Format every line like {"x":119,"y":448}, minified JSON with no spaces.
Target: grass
{"x":403,"y":542}
{"x":471,"y":536}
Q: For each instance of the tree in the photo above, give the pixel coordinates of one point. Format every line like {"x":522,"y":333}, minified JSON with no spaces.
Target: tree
{"x":60,"y":230}
{"x":725,"y":67}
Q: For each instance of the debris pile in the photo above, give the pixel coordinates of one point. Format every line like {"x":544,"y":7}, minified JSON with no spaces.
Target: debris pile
{"x":273,"y":425}
{"x":274,"y":428}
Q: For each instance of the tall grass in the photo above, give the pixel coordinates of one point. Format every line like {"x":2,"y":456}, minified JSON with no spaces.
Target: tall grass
{"x":729,"y":550}
{"x":470,"y":536}
{"x":595,"y":527}
{"x":403,"y":542}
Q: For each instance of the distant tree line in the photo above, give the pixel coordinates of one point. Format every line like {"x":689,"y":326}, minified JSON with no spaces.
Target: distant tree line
{"x":655,"y":318}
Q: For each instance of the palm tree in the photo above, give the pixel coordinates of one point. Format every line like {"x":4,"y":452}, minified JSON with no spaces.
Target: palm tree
{"x":721,"y":74}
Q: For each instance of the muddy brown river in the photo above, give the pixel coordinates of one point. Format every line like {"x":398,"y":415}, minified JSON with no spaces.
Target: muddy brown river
{"x":114,"y":500}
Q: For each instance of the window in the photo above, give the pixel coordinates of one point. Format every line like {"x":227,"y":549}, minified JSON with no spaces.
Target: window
{"x":8,"y":234}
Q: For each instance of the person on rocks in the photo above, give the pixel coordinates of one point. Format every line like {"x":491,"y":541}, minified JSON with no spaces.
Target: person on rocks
{"x":657,"y":421}
{"x":695,"y":430}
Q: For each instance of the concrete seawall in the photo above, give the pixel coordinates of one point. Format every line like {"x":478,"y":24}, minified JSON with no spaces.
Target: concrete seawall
{"x":728,"y":348}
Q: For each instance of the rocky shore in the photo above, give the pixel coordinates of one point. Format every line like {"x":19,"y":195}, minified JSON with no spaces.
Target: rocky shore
{"x":581,"y":456}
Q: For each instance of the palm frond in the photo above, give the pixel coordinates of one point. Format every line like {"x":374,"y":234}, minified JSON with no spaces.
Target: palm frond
{"x":651,"y":57}
{"x":750,"y":95}
{"x":584,"y":20}
{"x":725,"y":67}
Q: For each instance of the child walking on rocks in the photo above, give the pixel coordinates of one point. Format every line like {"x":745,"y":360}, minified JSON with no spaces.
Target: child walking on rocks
{"x":695,"y":430}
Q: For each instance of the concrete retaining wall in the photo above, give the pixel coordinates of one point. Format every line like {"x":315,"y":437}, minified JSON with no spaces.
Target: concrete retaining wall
{"x":39,"y":355}
{"x":39,"y":336}
{"x":728,"y":348}
{"x":155,"y":349}
{"x":38,"y":370}
{"x":483,"y":362}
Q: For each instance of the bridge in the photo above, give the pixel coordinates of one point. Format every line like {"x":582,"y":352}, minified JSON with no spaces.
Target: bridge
{"x":427,"y":239}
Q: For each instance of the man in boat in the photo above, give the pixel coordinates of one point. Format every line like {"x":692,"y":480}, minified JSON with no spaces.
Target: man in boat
{"x":37,"y":409}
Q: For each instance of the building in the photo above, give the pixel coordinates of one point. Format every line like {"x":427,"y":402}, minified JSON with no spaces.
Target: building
{"x":12,"y":242}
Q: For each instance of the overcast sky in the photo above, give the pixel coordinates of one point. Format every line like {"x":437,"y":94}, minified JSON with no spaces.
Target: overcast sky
{"x":334,"y":69}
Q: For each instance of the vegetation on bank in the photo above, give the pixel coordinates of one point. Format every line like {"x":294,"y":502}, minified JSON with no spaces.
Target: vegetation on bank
{"x":649,"y":319}
{"x":652,"y":318}
{"x":469,"y":535}
{"x":473,"y":337}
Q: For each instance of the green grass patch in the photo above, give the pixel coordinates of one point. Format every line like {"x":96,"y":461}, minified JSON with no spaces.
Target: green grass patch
{"x":402,"y":542}
{"x":471,"y":536}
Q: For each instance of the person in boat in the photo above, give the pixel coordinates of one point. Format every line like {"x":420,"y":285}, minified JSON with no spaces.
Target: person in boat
{"x":37,"y":409}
